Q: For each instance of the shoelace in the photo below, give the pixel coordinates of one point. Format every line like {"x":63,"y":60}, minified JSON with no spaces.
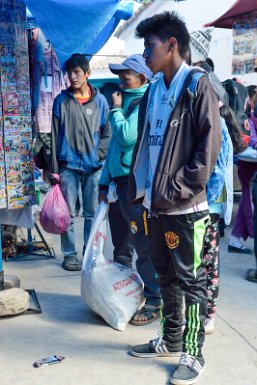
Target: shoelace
{"x":185,"y":359}
{"x":157,"y":341}
{"x":190,"y":361}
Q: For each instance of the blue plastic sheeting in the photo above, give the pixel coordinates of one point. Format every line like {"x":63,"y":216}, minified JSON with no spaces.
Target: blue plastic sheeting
{"x":78,"y":26}
{"x":124,"y":11}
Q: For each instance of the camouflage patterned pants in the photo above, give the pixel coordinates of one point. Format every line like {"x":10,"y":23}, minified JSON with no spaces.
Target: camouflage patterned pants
{"x":211,"y":257}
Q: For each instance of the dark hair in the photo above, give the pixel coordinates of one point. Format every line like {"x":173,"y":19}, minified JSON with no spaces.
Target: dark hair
{"x":233,"y":128}
{"x":166,"y":25}
{"x":76,"y":60}
{"x":209,"y":61}
{"x":252,"y":90}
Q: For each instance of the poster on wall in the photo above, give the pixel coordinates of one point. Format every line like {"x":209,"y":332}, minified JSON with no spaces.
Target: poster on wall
{"x":17,"y":186}
{"x":245,"y":45}
{"x":3,"y":201}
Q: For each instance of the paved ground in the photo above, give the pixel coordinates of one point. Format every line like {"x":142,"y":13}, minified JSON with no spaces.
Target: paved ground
{"x":96,"y":354}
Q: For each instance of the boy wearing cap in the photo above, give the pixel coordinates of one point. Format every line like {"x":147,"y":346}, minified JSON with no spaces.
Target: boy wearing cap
{"x":128,"y":223}
{"x":179,"y":139}
{"x":80,"y":138}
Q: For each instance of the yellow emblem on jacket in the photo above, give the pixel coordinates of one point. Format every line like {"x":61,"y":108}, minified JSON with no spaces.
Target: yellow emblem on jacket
{"x":172,"y":240}
{"x":133,"y":227}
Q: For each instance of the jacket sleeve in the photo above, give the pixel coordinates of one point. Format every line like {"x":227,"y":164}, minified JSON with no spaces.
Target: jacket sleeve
{"x":190,"y":179}
{"x":216,"y":181}
{"x":253,"y":135}
{"x":105,"y":130}
{"x":54,"y":135}
{"x":124,"y":130}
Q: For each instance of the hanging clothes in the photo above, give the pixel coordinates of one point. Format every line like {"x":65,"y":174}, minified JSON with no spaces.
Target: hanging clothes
{"x":47,"y":81}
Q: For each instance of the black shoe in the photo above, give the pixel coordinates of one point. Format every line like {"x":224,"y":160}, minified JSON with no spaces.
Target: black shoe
{"x":241,"y":249}
{"x":156,"y":348}
{"x":188,"y":371}
{"x":71,"y":264}
{"x":222,"y":227}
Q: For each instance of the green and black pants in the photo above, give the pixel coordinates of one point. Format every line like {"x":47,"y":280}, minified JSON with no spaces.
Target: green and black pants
{"x":176,"y":247}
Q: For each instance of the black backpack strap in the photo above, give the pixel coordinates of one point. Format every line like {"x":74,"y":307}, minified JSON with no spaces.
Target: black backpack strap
{"x":132,"y":106}
{"x":192,"y":93}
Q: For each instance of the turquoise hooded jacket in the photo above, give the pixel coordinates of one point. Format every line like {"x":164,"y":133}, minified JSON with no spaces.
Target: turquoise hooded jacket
{"x":124,"y":137}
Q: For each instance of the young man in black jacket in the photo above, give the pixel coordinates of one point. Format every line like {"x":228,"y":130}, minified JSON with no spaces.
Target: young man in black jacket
{"x":178,"y":144}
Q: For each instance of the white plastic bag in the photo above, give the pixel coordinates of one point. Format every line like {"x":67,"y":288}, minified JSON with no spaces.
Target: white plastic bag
{"x":113,"y":291}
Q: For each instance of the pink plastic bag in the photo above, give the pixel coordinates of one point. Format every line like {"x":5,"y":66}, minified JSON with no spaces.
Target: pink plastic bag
{"x":55,"y":214}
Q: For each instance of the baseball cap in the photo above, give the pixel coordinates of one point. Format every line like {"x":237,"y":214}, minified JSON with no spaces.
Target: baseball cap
{"x":135,"y":63}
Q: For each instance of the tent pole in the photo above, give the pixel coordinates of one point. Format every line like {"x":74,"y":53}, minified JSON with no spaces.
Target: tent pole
{"x":1,"y":262}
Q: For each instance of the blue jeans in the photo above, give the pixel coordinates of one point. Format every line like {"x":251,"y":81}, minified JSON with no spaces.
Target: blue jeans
{"x":71,"y":179}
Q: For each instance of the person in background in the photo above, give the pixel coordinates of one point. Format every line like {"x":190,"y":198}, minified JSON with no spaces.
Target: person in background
{"x":220,"y":201}
{"x":251,"y":274}
{"x":219,"y":191}
{"x":243,"y":225}
{"x":220,"y":186}
{"x":80,"y":137}
{"x":178,"y":144}
{"x":210,"y":63}
{"x":128,"y":223}
{"x":252,"y":91}
{"x":198,"y":56}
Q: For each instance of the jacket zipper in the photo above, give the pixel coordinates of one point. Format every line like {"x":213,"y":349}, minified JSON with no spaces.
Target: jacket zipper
{"x":81,"y":134}
{"x":160,"y":155}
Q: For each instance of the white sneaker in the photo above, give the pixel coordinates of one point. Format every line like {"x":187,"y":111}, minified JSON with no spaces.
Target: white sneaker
{"x":235,"y":241}
{"x":209,"y":326}
{"x":188,"y":371}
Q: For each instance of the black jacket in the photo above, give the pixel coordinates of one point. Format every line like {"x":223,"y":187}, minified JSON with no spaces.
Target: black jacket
{"x":190,"y":149}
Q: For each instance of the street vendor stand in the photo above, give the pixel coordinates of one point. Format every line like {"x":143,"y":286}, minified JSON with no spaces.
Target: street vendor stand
{"x":17,"y":185}
{"x":242,"y":19}
{"x":71,"y":26}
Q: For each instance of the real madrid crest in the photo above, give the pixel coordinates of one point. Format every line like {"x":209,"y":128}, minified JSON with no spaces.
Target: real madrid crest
{"x":172,"y":240}
{"x":133,"y":227}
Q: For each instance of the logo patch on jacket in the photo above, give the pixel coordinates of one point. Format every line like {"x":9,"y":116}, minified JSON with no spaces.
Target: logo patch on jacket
{"x":133,"y":227}
{"x":172,"y":240}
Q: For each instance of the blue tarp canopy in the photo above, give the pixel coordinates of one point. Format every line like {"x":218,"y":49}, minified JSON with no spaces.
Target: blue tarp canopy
{"x":78,"y":26}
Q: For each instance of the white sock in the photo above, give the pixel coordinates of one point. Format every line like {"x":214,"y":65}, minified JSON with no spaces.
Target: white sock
{"x":235,"y":241}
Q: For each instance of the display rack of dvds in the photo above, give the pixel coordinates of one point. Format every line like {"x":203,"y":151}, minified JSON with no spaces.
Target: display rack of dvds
{"x":17,"y":186}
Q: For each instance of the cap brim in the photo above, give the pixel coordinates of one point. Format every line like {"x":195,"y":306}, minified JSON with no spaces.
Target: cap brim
{"x":116,"y":68}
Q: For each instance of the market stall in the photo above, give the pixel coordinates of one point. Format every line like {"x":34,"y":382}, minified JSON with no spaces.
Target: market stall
{"x":240,"y":8}
{"x":242,"y":19}
{"x":71,"y":26}
{"x":78,"y":26}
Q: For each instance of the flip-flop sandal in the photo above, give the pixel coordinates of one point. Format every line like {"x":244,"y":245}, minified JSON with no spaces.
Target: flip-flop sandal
{"x":251,"y":275}
{"x":149,"y":315}
{"x":71,"y":264}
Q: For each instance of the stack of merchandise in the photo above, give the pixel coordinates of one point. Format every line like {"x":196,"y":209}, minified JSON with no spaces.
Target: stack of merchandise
{"x":17,"y":186}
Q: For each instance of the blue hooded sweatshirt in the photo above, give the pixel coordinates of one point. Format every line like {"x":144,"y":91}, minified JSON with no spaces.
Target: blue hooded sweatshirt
{"x":80,"y":132}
